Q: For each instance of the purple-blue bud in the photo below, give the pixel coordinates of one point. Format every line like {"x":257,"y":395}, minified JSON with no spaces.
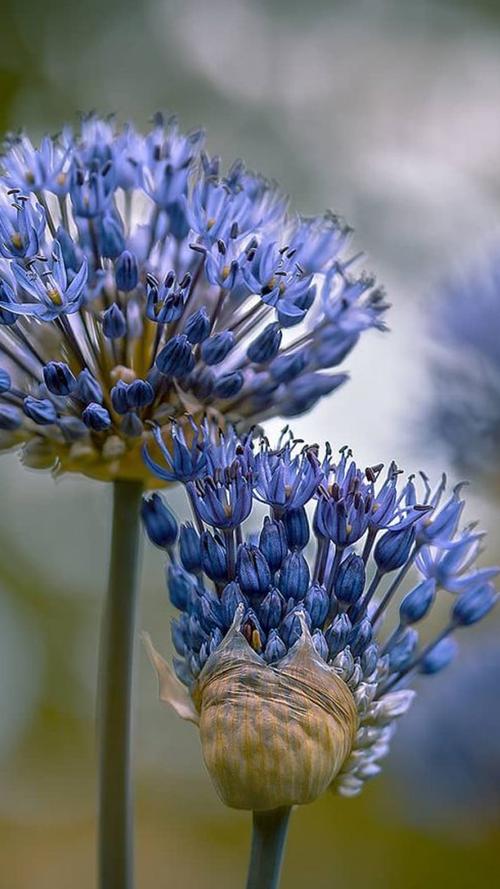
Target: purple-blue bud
{"x":230,"y":599}
{"x":176,"y":358}
{"x":294,"y":576}
{"x":10,"y":417}
{"x":88,"y":389}
{"x":393,"y":549}
{"x":296,"y":527}
{"x":271,"y":610}
{"x":417,"y":602}
{"x":40,"y":410}
{"x":159,"y":522}
{"x":112,"y":242}
{"x":337,"y":634}
{"x":320,"y":645}
{"x":5,"y":381}
{"x":215,"y":349}
{"x":317,"y":602}
{"x":126,"y":271}
{"x":403,"y":648}
{"x":59,"y":378}
{"x":286,"y":368}
{"x":266,"y":345}
{"x":350,"y":580}
{"x":119,"y":397}
{"x":213,"y":557}
{"x":273,"y":543}
{"x":96,"y":417}
{"x":189,"y":548}
{"x":275,"y":648}
{"x":228,"y":385}
{"x":197,"y":326}
{"x":291,"y":628}
{"x":140,"y":394}
{"x":180,"y":586}
{"x":360,"y":637}
{"x":439,"y":656}
{"x":179,"y":635}
{"x":369,"y":659}
{"x":474,"y":605}
{"x":114,"y":324}
{"x":252,"y":570}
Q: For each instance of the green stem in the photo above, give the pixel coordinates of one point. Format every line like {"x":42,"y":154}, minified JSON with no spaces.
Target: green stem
{"x":268,"y":845}
{"x":115,"y":855}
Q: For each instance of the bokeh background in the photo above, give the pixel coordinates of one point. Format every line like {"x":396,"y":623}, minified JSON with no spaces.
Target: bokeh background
{"x":387,"y":112}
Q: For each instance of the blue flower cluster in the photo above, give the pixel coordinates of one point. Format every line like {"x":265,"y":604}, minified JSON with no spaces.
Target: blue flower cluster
{"x":464,"y":410}
{"x":447,"y":758}
{"x":138,"y":281}
{"x":341,"y":568}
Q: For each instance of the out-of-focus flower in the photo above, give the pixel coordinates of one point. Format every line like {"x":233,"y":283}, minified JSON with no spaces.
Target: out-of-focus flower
{"x":447,"y":758}
{"x":282,"y":656}
{"x":138,"y":282}
{"x":465,"y":367}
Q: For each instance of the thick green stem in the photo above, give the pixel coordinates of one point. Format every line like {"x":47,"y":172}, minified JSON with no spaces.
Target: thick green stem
{"x":268,"y":845}
{"x":116,"y":667}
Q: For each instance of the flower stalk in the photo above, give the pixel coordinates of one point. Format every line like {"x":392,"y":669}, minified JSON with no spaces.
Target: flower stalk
{"x":269,"y":836}
{"x":115,"y":824}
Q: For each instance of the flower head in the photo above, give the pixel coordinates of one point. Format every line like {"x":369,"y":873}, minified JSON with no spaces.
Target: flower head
{"x":138,"y":282}
{"x":297,"y":657}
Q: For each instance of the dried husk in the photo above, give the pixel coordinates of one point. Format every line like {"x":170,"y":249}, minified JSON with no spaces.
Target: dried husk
{"x":271,"y":736}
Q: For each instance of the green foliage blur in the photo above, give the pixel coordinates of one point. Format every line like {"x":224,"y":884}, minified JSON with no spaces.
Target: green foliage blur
{"x":386,"y":111}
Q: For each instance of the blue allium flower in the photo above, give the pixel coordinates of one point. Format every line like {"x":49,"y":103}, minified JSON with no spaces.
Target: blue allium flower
{"x":347,"y":561}
{"x":139,"y":281}
{"x":464,"y":406}
{"x":447,"y":758}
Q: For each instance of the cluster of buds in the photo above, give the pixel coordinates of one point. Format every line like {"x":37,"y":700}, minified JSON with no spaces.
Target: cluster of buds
{"x":138,"y":282}
{"x":292,"y":655}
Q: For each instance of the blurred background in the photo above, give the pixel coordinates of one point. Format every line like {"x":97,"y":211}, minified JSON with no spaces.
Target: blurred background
{"x":385,"y":111}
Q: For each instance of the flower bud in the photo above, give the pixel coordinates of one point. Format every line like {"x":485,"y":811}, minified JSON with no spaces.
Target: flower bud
{"x":215,"y":349}
{"x":393,"y":549}
{"x":126,"y":271}
{"x":180,"y":586}
{"x":350,"y":580}
{"x":252,"y":570}
{"x":176,"y":358}
{"x":114,"y":324}
{"x":96,"y":417}
{"x":272,"y":736}
{"x":197,"y":326}
{"x":474,"y":605}
{"x":266,"y":346}
{"x":58,"y":377}
{"x":189,"y":548}
{"x":317,"y":603}
{"x":228,"y":385}
{"x":294,"y":576}
{"x":10,"y":418}
{"x":439,"y":656}
{"x":273,"y":543}
{"x":213,"y":557}
{"x":159,"y":521}
{"x":296,"y":527}
{"x":88,"y":389}
{"x":41,"y":410}
{"x":417,"y":602}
